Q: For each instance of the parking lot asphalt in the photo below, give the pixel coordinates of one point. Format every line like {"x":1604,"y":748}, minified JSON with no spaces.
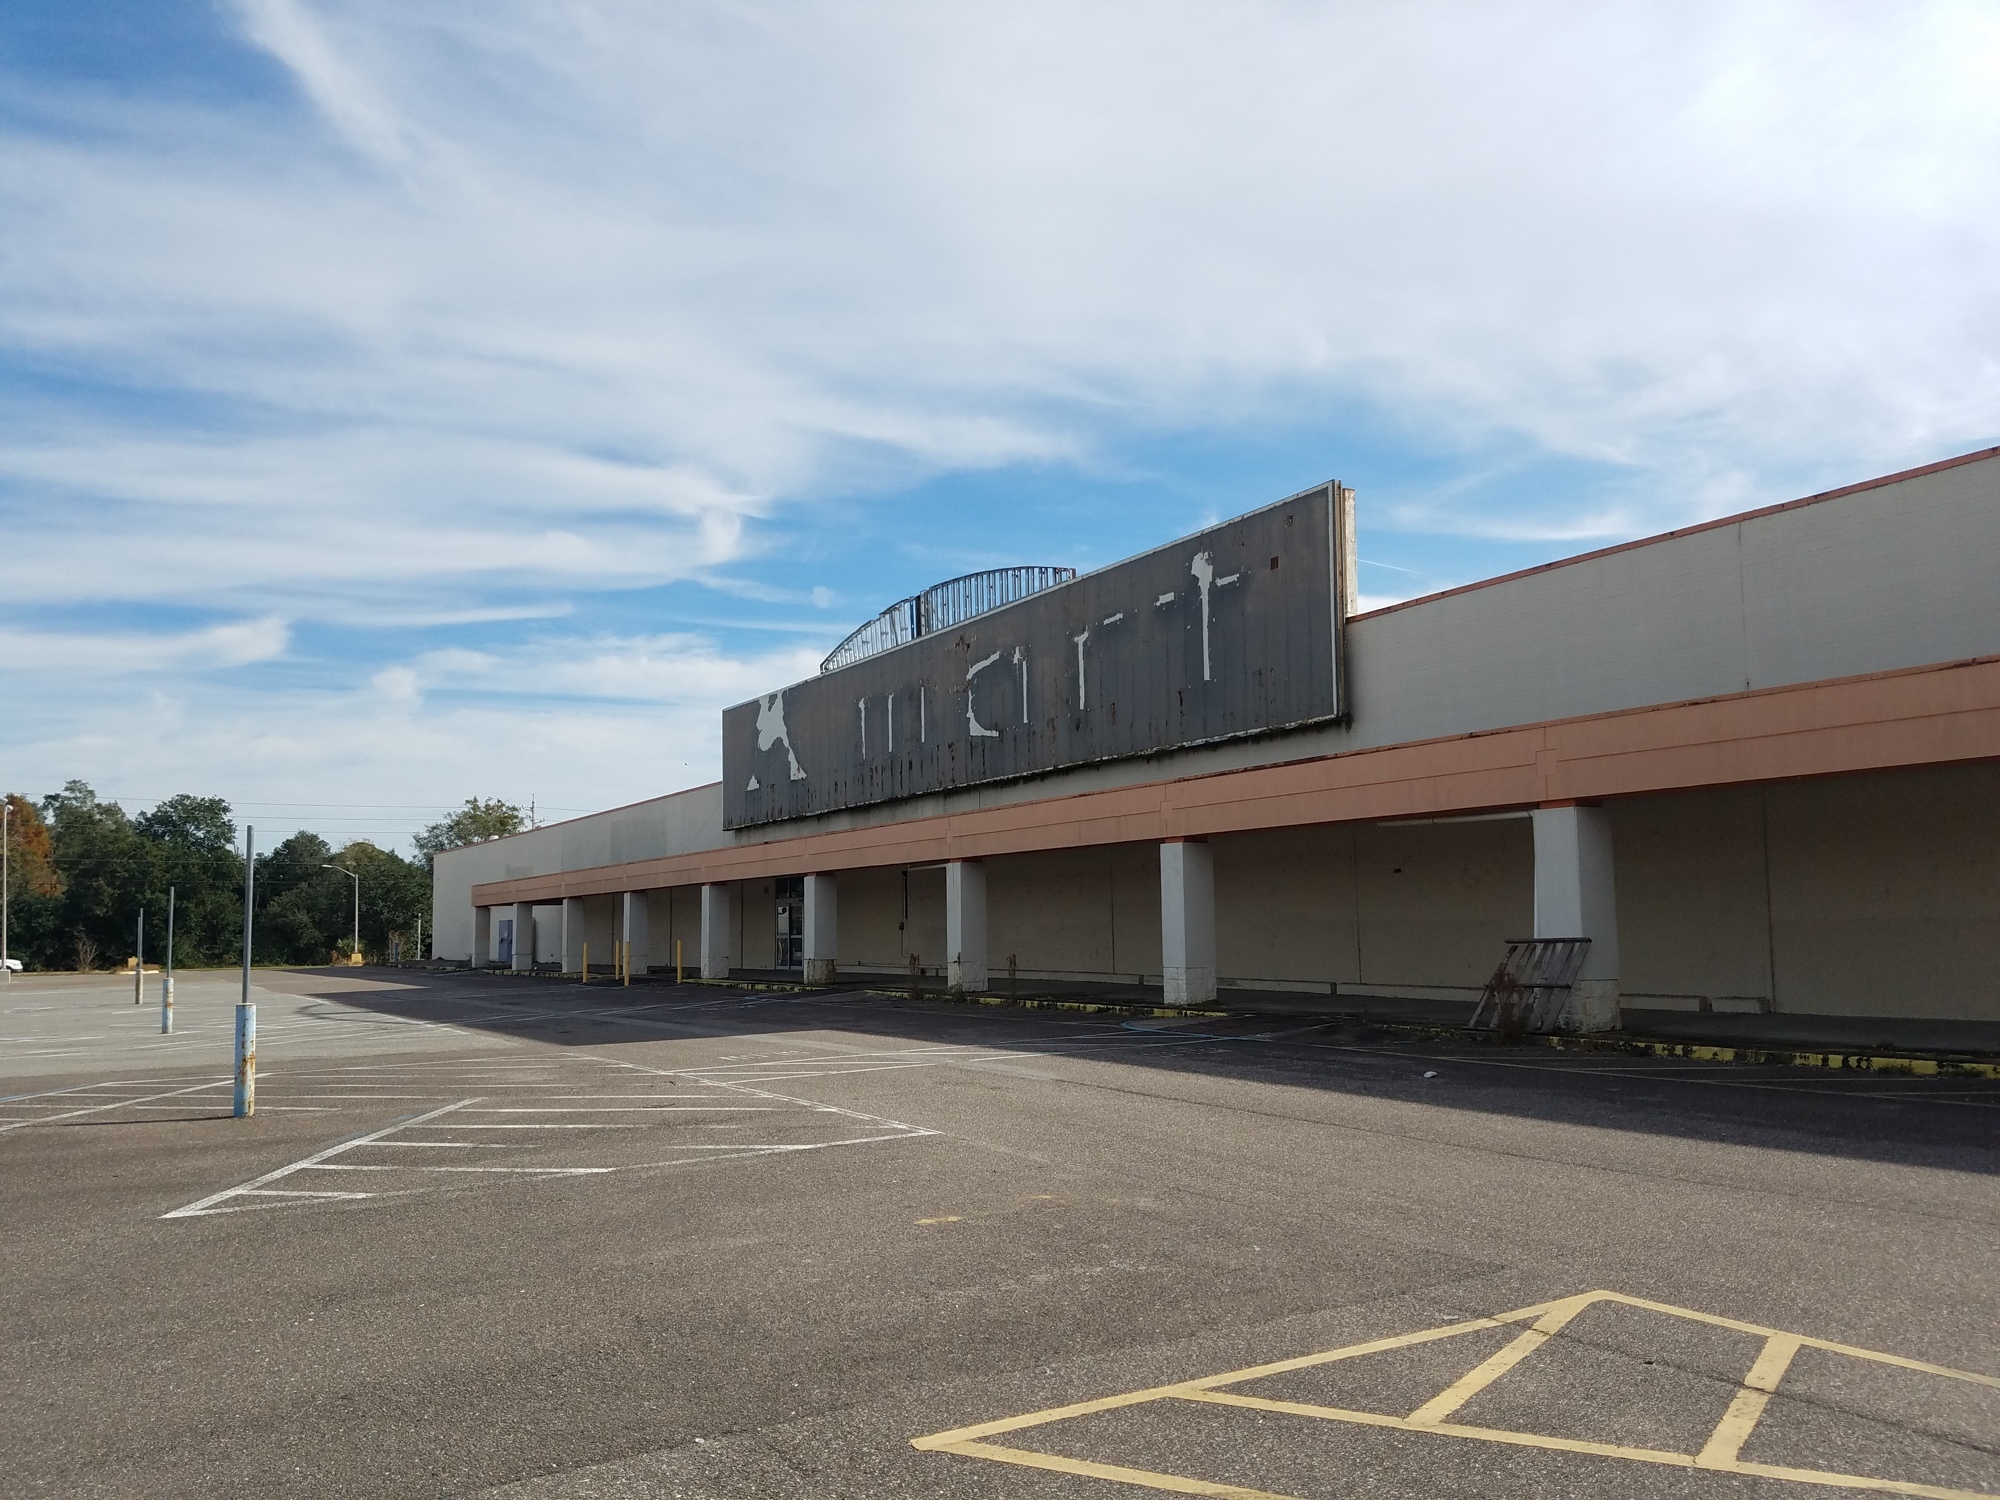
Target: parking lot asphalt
{"x":495,"y":1235}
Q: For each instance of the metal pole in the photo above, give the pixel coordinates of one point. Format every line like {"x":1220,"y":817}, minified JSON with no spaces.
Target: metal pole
{"x":6,"y":883}
{"x":167,"y":980}
{"x":246,"y":1014}
{"x":420,"y":937}
{"x":139,"y":963}
{"x":357,"y":906}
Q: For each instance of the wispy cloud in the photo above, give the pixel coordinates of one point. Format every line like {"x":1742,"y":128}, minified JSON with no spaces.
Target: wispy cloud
{"x":518,"y":307}
{"x":97,"y":656}
{"x":637,"y":714}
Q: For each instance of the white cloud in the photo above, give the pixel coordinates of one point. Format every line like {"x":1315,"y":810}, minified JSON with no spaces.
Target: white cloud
{"x":680,"y":669}
{"x":123,"y":654}
{"x":592,"y":283}
{"x":545,"y":299}
{"x":570,"y":723}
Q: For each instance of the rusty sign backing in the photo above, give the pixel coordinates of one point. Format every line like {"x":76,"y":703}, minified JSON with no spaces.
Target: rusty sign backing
{"x":1234,"y":631}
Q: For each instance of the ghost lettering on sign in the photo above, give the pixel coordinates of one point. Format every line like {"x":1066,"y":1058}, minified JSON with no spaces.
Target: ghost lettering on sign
{"x":978,"y":730}
{"x":1099,"y":674}
{"x":771,"y":732}
{"x":1203,"y":568}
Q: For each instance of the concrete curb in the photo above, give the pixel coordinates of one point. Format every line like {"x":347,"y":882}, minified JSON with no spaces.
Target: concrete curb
{"x":1872,"y":1062}
{"x":1908,"y":1064}
{"x":1887,"y":1063}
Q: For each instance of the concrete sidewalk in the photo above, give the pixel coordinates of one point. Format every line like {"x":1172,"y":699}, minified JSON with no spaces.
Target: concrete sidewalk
{"x":1893,"y":1035}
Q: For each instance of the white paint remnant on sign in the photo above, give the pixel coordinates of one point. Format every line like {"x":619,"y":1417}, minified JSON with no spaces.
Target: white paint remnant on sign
{"x":978,"y":729}
{"x":1203,"y":568}
{"x":771,"y":730}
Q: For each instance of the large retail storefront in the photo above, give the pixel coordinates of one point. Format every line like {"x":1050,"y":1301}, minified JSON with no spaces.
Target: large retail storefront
{"x":1756,"y":763}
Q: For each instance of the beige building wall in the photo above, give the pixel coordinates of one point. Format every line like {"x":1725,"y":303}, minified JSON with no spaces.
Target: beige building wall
{"x":1876,"y":894}
{"x":600,"y":930}
{"x":871,"y":920}
{"x":1868,"y":895}
{"x":1285,"y":910}
{"x":1694,"y":926}
{"x":674,"y":915}
{"x":923,"y":931}
{"x":1076,"y":913}
{"x":1439,"y":901}
{"x":1885,"y":894}
{"x":756,"y":924}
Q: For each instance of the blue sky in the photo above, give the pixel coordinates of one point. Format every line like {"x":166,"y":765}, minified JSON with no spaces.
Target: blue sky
{"x":402,"y":402}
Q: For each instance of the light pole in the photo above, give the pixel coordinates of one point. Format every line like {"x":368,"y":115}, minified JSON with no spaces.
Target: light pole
{"x":245,"y":1102}
{"x":6,"y":870}
{"x":167,"y":979}
{"x":357,"y":902}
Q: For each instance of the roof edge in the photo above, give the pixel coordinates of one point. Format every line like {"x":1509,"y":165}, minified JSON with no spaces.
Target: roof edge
{"x":579,"y":818}
{"x":1666,"y":536}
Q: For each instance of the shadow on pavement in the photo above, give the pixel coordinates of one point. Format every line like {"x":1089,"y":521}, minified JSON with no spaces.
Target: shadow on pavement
{"x":1942,"y":1122}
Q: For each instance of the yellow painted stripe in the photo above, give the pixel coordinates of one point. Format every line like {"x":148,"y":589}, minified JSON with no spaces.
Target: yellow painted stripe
{"x":1178,"y":1484}
{"x":1876,"y":1355}
{"x":1352,"y":1351}
{"x":1859,"y":1482}
{"x":1447,"y":1429}
{"x":1490,"y":1369}
{"x":1748,"y":1405}
{"x":962,"y":1435}
{"x":1230,"y":1377}
{"x":1720,"y":1454}
{"x":1602,"y":1450}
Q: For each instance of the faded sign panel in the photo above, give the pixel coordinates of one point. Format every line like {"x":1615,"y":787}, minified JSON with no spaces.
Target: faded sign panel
{"x":1231,"y":632}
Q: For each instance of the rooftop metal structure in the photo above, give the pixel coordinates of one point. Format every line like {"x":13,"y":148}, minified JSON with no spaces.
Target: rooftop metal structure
{"x":941,"y":607}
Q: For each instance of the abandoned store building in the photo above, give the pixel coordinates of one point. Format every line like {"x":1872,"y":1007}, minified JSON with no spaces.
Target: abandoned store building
{"x":1755,"y":763}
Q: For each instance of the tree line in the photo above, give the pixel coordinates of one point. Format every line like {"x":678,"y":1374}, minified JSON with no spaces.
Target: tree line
{"x":80,"y":870}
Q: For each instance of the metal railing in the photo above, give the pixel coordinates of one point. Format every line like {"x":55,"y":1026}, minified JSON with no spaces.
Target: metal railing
{"x":943,"y":606}
{"x":1532,"y":986}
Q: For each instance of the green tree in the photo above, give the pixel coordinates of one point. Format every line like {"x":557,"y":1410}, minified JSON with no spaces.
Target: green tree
{"x":194,"y":851}
{"x":106,"y":869}
{"x":395,"y":893}
{"x":474,"y":823}
{"x":34,"y":887}
{"x":301,"y":905}
{"x":305,"y":911}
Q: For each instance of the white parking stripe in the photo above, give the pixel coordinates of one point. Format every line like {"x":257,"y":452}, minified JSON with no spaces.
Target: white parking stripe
{"x":549,"y":1139}
{"x":98,"y":1109}
{"x":255,"y":1187}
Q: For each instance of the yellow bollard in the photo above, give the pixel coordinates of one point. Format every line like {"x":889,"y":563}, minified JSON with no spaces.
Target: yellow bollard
{"x":586,"y":963}
{"x":679,"y":978}
{"x":628,"y":965}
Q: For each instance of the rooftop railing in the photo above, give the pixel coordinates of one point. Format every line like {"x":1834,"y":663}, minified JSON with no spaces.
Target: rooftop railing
{"x":943,"y":606}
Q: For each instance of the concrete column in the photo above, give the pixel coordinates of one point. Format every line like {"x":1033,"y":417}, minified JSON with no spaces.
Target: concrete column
{"x":965,"y":923}
{"x":524,"y":936}
{"x":1187,"y":922}
{"x":1576,"y":895}
{"x":632,"y":924}
{"x":822,"y":934}
{"x":572,"y":936}
{"x":718,"y":931}
{"x":482,"y":936}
